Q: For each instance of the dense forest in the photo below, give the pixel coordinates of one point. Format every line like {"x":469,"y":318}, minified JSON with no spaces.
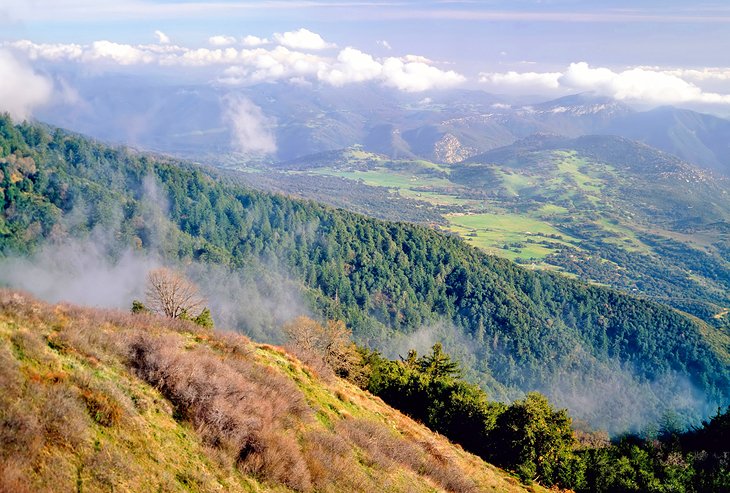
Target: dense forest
{"x":515,"y":330}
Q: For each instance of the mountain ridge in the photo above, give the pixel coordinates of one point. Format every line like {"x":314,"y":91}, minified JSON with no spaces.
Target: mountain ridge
{"x":513,"y":329}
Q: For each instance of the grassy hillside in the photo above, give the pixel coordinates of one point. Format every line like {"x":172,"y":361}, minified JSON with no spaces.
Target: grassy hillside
{"x":514,"y":330}
{"x":99,"y":400}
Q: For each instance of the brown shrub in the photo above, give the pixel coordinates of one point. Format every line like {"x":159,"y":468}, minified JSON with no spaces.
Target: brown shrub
{"x":22,"y":305}
{"x":13,"y":478}
{"x":276,"y":457}
{"x":63,"y":417}
{"x":10,"y":377}
{"x":101,"y":407}
{"x":107,"y":467}
{"x":21,"y":433}
{"x":386,"y":450}
{"x":232,"y":344}
{"x":32,"y":346}
{"x":235,"y":405}
{"x":383,"y":447}
{"x":332,"y":464}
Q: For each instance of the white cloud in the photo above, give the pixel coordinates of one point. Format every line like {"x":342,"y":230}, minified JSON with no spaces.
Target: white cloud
{"x":251,"y":130}
{"x":417,"y":76}
{"x":54,"y":52}
{"x":123,"y":54}
{"x":637,"y":84}
{"x":221,"y":40}
{"x":21,"y":88}
{"x":416,"y":59}
{"x":202,"y":57}
{"x":706,"y":74}
{"x":640,"y":84}
{"x":259,"y":64}
{"x":251,"y":40}
{"x":303,"y":39}
{"x":162,"y":38}
{"x":522,"y":80}
{"x":384,"y":44}
{"x":352,"y":66}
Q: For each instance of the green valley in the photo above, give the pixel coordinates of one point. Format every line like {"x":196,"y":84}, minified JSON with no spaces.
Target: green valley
{"x":604,"y":209}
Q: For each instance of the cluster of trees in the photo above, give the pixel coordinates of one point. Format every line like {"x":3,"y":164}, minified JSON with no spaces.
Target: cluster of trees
{"x":539,"y":443}
{"x":379,"y":277}
{"x":527,"y":436}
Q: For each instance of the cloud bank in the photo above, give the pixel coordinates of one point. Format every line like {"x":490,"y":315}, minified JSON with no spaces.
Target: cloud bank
{"x":303,"y":39}
{"x":296,"y":56}
{"x":639,"y":84}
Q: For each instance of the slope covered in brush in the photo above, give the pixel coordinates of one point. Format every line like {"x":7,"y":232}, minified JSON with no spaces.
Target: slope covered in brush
{"x":96,"y":400}
{"x":513,"y":329}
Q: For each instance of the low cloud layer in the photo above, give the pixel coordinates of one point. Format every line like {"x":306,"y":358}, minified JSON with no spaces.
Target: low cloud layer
{"x":639,"y":84}
{"x":295,"y":56}
{"x":21,"y":88}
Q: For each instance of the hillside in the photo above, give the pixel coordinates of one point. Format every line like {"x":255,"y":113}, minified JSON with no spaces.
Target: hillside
{"x":95,"y":400}
{"x":396,"y":285}
{"x":605,"y":209}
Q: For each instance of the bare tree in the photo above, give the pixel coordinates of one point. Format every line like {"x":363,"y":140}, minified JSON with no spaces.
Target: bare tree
{"x":330,"y":343}
{"x":171,"y":294}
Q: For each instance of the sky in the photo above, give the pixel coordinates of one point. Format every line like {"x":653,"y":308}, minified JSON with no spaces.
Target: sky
{"x":652,"y":52}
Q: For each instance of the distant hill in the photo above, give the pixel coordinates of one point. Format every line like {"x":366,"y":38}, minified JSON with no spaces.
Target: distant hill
{"x":195,"y":121}
{"x":396,"y":285}
{"x":694,"y":137}
{"x":652,"y":222}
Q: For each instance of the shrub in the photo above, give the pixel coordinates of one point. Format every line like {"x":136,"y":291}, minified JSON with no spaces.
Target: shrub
{"x":234,"y":404}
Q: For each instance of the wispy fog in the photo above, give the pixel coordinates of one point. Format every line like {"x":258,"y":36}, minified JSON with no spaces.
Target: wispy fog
{"x":251,"y":130}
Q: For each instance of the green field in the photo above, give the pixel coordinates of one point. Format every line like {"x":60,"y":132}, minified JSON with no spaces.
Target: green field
{"x":509,"y":235}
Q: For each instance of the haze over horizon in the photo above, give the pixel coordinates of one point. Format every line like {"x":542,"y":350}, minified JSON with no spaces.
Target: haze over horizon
{"x":653,"y":55}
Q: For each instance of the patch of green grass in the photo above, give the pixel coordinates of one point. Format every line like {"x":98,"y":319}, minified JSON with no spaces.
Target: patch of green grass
{"x":624,"y":236}
{"x":522,"y":235}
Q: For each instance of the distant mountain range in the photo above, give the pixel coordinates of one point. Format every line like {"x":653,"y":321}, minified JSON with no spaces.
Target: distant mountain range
{"x":443,"y":126}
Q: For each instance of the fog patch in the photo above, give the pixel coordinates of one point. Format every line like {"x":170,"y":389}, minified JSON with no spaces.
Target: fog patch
{"x":255,"y":301}
{"x":22,"y":89}
{"x":251,"y":130}
{"x":616,"y":399}
{"x":81,"y":272}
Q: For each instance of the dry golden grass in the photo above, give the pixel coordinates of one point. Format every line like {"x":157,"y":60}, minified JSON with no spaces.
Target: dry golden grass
{"x":101,"y":399}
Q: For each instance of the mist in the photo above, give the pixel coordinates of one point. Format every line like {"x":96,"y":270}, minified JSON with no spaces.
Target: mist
{"x":251,"y":130}
{"x":255,"y":302}
{"x":80,"y":272}
{"x":617,"y":399}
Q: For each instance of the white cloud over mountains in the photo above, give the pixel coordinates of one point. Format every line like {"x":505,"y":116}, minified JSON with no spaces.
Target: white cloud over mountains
{"x":296,"y":57}
{"x":639,"y":84}
{"x":304,"y":57}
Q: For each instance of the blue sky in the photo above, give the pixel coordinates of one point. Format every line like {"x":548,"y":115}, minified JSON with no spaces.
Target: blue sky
{"x":668,"y":51}
{"x":469,"y":32}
